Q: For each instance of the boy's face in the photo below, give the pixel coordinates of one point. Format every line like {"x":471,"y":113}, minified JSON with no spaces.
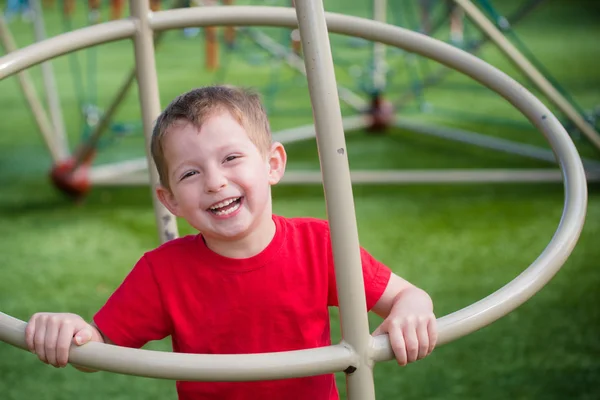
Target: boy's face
{"x":219,"y":181}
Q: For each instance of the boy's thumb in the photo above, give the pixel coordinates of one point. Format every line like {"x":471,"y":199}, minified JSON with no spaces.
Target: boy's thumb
{"x":83,"y":336}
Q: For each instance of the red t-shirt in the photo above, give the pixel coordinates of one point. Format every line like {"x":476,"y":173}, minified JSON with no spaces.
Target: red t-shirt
{"x":275,"y":301}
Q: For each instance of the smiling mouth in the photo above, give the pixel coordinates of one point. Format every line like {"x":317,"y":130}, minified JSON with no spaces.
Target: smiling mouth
{"x":226,"y":207}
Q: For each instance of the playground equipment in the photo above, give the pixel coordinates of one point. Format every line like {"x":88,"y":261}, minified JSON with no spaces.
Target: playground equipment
{"x":74,"y":173}
{"x":359,"y":350}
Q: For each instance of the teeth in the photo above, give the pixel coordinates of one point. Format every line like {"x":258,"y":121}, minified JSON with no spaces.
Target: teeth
{"x":228,"y":211}
{"x":223,"y":203}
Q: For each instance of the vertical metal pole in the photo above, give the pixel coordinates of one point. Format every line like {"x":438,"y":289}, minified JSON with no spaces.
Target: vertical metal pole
{"x":379,"y":68}
{"x":150,"y":103}
{"x":338,"y":193}
{"x":50,"y":83}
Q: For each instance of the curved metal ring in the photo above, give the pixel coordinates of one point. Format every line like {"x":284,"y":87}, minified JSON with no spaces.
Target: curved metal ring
{"x":332,"y":358}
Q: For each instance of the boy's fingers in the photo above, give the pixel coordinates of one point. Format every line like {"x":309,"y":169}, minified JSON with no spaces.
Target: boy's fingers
{"x":50,"y":339}
{"x":63,"y":344}
{"x":29,"y":334}
{"x":411,"y":340}
{"x":433,"y":334}
{"x":423,"y":339}
{"x":399,"y":347}
{"x":39,"y":341}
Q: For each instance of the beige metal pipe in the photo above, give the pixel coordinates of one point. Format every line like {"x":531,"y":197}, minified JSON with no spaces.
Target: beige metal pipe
{"x":65,"y":43}
{"x":149,"y":100}
{"x":337,"y":185}
{"x":194,"y":367}
{"x":444,"y":176}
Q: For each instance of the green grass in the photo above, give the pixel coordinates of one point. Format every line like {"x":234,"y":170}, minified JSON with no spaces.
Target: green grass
{"x":459,"y":242}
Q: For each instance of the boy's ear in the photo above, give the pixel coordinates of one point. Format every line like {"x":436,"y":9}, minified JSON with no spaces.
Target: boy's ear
{"x":277,"y":160}
{"x":167,"y":199}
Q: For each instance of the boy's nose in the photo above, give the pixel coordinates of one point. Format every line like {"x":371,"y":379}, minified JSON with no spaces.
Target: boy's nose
{"x":215,"y":181}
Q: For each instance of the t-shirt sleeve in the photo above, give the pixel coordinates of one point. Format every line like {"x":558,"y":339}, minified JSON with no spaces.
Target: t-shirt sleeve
{"x":134,"y":314}
{"x":376,"y":276}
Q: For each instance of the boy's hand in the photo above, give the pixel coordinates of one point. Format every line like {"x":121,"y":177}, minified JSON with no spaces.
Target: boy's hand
{"x":49,"y":335}
{"x":411,"y":326}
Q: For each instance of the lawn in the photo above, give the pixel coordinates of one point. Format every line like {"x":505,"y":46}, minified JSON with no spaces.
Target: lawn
{"x":458,"y":242}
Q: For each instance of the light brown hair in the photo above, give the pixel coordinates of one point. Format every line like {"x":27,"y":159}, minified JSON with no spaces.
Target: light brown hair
{"x":199,"y":104}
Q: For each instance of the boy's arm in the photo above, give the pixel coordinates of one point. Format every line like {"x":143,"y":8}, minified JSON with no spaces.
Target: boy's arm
{"x":408,"y":320}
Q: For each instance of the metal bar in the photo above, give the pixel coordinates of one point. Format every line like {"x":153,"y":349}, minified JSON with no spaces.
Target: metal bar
{"x":35,"y":105}
{"x":52,"y":98}
{"x":485,"y":141}
{"x":333,"y":156}
{"x":150,"y":104}
{"x":528,"y":69}
{"x":108,"y":172}
{"x":65,"y":43}
{"x":192,"y":367}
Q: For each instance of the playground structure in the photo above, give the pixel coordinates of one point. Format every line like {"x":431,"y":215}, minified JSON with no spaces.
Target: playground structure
{"x":74,"y":173}
{"x":358,"y":351}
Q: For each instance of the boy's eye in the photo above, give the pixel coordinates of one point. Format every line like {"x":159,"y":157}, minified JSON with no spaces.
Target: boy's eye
{"x":230,"y":158}
{"x":188,"y":174}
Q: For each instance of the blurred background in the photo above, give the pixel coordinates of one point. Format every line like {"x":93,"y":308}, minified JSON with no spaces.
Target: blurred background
{"x":69,"y":240}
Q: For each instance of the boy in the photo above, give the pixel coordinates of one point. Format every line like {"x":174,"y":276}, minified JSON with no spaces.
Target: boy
{"x":250,"y":282}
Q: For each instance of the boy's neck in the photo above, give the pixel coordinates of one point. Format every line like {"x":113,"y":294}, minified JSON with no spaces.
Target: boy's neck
{"x":248,"y":246}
